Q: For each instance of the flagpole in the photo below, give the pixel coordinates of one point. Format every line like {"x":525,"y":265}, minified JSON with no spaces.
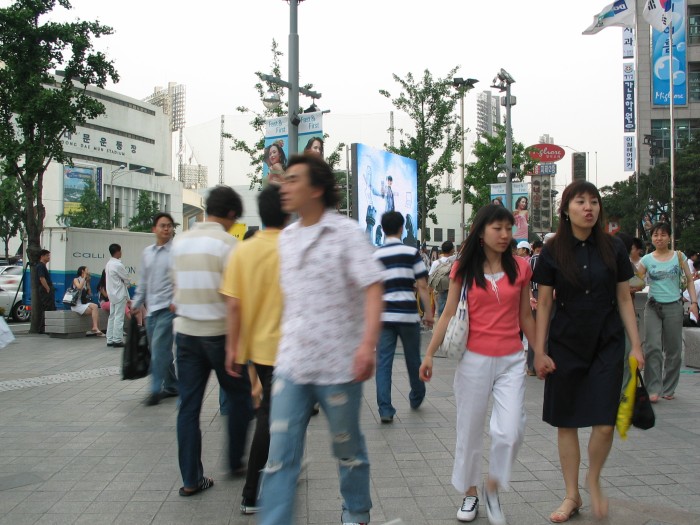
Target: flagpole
{"x":638,"y":154}
{"x":673,"y":133}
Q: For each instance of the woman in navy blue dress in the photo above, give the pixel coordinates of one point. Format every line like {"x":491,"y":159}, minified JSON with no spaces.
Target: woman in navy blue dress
{"x":582,"y":275}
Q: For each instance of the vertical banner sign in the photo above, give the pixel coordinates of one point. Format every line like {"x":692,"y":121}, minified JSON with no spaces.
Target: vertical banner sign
{"x":75,"y":180}
{"x":660,"y":61}
{"x":629,"y":152}
{"x":98,"y":183}
{"x":277,"y":142}
{"x":627,"y":42}
{"x":541,"y":195}
{"x":520,"y":206}
{"x":628,"y":96}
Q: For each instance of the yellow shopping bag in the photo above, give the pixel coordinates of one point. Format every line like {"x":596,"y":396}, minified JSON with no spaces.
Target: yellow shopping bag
{"x":624,"y":411}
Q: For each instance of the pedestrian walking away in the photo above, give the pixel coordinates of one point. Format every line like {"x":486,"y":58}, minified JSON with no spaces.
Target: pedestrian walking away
{"x":497,"y":288}
{"x":586,"y":271}
{"x":403,"y":269}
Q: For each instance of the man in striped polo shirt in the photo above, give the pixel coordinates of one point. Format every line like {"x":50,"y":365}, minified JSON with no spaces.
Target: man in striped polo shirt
{"x":403,"y":270}
{"x":199,"y":257}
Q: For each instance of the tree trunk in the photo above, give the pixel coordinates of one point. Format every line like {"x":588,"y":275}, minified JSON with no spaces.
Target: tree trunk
{"x":34,"y":225}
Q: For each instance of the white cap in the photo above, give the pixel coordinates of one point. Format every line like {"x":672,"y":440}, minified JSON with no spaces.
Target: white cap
{"x":549,"y":236}
{"x":524,"y":244}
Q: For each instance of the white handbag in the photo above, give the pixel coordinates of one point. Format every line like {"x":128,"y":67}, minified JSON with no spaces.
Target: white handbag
{"x":454,"y":343}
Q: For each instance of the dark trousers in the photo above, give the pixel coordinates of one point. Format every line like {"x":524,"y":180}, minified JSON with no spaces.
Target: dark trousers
{"x":196,"y":358}
{"x":261,"y":439}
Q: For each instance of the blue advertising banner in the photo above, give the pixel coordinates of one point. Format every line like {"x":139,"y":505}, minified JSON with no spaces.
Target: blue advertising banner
{"x":628,"y":96}
{"x":75,"y":179}
{"x":277,"y":147}
{"x":662,"y":69}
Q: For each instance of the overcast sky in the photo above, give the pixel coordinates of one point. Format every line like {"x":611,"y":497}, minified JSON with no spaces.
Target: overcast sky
{"x":567,"y":84}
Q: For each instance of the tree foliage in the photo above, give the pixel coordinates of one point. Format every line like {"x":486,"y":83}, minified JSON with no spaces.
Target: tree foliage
{"x":36,"y":107}
{"x":10,"y":211}
{"x":92,"y":213}
{"x":490,"y":153}
{"x":621,"y":201}
{"x":429,"y":102}
{"x":146,"y":209}
{"x":256,"y":149}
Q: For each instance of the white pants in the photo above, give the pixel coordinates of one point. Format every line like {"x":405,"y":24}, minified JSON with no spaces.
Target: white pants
{"x":477,"y":376}
{"x":115,"y":323}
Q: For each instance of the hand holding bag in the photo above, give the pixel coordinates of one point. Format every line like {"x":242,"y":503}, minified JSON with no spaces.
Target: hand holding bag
{"x":642,"y":414}
{"x":454,"y":343}
{"x":70,"y":298}
{"x":682,"y":277}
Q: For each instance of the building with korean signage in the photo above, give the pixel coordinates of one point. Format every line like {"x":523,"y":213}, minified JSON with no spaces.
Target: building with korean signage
{"x":126,"y":150}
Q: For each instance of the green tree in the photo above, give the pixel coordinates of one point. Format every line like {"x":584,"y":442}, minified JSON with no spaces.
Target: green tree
{"x":36,"y":107}
{"x":490,"y":153}
{"x":92,"y":213}
{"x":429,"y":102}
{"x":10,"y":211}
{"x":256,"y":150}
{"x":146,"y":209}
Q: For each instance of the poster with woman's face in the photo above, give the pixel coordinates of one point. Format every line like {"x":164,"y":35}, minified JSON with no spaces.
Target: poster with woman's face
{"x":520,"y":206}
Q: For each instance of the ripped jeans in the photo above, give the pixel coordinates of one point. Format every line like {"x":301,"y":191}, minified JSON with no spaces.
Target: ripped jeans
{"x":291,"y":409}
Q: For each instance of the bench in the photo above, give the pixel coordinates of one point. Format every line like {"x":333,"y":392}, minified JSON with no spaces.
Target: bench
{"x":691,"y":347}
{"x":67,"y":324}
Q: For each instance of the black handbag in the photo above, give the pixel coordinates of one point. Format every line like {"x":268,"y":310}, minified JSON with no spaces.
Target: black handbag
{"x":70,"y":298}
{"x":643,"y":414}
{"x":136,"y":359}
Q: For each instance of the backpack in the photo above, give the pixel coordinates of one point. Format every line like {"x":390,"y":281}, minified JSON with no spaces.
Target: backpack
{"x":440,"y":279}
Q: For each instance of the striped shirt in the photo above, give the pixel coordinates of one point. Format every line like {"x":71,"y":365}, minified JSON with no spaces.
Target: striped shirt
{"x":402,"y":267}
{"x":199,"y":257}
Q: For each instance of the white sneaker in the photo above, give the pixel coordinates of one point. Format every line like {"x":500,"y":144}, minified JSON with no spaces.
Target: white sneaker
{"x":469,"y":509}
{"x":493,"y":508}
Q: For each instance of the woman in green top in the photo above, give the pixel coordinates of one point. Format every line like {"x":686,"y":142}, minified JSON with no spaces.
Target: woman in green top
{"x":663,"y":313}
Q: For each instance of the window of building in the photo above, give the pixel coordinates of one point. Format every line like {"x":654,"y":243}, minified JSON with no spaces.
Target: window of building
{"x":693,"y":24}
{"x":450,"y":234}
{"x":685,"y":129}
{"x":694,"y":81}
{"x":437,"y":236}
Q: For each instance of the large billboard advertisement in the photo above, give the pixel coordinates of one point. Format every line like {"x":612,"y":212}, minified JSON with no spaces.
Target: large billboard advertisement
{"x":384,"y":182}
{"x":520,"y":206}
{"x":75,"y":180}
{"x":660,"y":61}
{"x":277,"y":142}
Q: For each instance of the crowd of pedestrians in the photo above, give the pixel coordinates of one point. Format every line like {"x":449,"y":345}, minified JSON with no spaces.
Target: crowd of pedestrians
{"x":305,"y":310}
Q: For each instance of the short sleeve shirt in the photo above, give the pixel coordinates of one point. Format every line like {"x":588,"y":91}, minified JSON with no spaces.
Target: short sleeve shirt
{"x":323,"y":278}
{"x":494,"y":312}
{"x":663,"y":277}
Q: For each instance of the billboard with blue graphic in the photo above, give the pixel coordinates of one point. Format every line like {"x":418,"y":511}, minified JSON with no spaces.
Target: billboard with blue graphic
{"x":663,"y":67}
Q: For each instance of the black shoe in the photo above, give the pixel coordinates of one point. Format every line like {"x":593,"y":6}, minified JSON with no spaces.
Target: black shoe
{"x":152,"y":400}
{"x":110,"y":344}
{"x":168,"y":393}
{"x":387,"y":419}
{"x":316,"y":409}
{"x":118,"y":344}
{"x":249,"y":508}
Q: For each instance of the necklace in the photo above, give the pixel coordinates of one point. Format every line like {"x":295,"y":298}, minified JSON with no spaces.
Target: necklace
{"x":492,"y":279}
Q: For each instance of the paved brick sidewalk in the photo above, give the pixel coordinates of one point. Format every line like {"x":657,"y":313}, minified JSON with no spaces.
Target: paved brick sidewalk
{"x":78,"y":446}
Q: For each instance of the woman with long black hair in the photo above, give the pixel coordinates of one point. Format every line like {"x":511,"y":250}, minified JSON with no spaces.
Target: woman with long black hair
{"x":587,"y":271}
{"x":498,"y":300}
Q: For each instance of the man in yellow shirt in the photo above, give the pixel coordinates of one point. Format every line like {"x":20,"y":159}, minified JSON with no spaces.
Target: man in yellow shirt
{"x":254,"y":307}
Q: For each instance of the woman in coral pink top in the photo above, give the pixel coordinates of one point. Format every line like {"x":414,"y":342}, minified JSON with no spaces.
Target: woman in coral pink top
{"x":494,"y":363}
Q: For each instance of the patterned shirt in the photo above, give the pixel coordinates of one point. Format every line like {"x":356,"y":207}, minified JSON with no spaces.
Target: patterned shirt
{"x":402,"y":267}
{"x":323,"y":277}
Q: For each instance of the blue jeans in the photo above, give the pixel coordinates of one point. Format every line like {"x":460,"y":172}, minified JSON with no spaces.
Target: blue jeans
{"x":441,"y":301}
{"x":289,"y":417}
{"x":196,"y":358}
{"x":410,"y":339}
{"x":159,"y":326}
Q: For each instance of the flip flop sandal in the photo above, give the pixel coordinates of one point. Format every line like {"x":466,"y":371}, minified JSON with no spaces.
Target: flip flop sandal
{"x":203,"y":485}
{"x":559,"y":516}
{"x":669,"y":398}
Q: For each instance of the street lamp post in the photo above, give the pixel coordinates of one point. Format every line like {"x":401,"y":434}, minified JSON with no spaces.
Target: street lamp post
{"x":502,"y":81}
{"x":271,"y":100}
{"x":463,"y":86}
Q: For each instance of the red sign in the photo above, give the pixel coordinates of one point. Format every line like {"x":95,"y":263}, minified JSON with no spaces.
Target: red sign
{"x":546,"y":152}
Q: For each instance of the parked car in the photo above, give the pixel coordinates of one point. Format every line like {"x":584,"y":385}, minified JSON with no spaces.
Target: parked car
{"x":10,"y":276}
{"x":13,"y":305}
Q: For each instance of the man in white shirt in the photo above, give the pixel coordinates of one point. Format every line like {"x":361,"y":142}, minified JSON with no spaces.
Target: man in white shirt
{"x":332,"y":289}
{"x":117,"y":289}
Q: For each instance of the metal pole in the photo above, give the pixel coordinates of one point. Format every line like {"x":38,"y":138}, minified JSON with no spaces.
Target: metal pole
{"x":111,"y":202}
{"x":673,"y":137}
{"x":509,"y":151}
{"x":462,"y":224}
{"x":293,"y":131}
